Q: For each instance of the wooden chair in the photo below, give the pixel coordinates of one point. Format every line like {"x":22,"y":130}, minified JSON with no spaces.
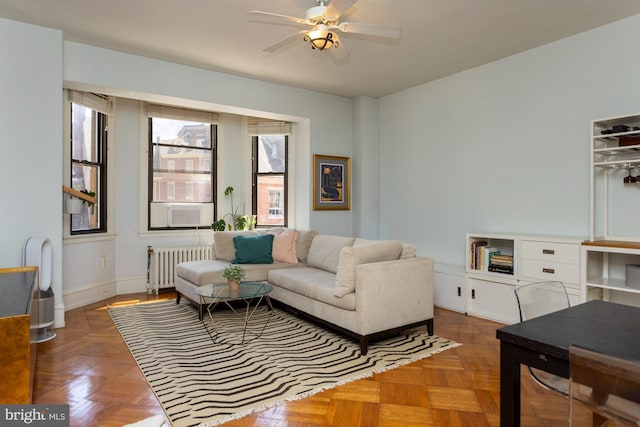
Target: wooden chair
{"x":608,"y":386}
{"x":535,"y":300}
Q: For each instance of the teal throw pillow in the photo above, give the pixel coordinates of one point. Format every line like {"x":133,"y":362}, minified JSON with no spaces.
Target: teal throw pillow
{"x":253,"y":249}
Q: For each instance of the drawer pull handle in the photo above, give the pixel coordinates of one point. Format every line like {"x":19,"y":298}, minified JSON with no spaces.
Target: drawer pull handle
{"x":548,"y":270}
{"x":548,"y":252}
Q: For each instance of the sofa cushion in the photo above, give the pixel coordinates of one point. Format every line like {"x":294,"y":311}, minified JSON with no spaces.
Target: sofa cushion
{"x":253,"y":249}
{"x":325,"y":251}
{"x":207,"y":272}
{"x":303,"y":243}
{"x":350,"y":257}
{"x":284,"y":246}
{"x":202,"y":272}
{"x":408,"y":250}
{"x":223,"y":246}
{"x":313,"y":283}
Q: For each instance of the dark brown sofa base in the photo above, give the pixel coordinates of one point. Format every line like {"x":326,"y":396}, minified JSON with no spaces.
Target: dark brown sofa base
{"x":364,"y":340}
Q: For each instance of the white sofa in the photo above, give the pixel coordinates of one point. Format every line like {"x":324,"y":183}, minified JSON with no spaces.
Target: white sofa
{"x":365,"y":289}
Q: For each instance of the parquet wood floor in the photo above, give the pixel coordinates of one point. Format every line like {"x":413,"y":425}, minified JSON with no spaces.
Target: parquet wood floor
{"x":89,"y":366}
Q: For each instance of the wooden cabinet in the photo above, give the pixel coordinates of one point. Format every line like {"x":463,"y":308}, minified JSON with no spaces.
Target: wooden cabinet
{"x":525,"y":259}
{"x":18,"y":333}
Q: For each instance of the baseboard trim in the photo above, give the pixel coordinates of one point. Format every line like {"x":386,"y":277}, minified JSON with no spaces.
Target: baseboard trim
{"x":131,"y":285}
{"x":93,"y":293}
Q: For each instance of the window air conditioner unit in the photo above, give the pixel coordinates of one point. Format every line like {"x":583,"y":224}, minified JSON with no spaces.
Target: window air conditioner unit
{"x":181,"y":214}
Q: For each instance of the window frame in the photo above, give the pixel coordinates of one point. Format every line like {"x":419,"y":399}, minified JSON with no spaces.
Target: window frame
{"x":150,"y":173}
{"x":256,"y":174}
{"x":101,"y":163}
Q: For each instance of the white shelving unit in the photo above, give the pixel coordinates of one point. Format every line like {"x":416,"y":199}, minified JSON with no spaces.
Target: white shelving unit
{"x":450,"y":290}
{"x":490,"y":294}
{"x":535,"y":259}
{"x":614,"y":238}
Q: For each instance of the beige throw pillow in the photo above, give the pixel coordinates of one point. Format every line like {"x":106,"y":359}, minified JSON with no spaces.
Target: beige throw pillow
{"x":350,"y":257}
{"x":408,"y":251}
{"x":303,"y":243}
{"x":284,"y":246}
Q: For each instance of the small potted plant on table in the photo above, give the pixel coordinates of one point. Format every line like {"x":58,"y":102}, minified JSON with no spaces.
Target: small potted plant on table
{"x":234,"y":274}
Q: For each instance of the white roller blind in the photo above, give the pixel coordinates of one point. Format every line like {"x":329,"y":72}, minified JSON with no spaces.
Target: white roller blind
{"x":100,"y":103}
{"x":259,"y":126}
{"x":179,"y":113}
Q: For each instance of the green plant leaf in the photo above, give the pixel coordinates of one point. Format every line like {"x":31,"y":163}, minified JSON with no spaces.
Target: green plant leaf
{"x":219,"y":225}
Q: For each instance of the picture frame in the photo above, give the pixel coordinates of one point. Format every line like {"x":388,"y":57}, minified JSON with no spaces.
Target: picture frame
{"x":331,"y":182}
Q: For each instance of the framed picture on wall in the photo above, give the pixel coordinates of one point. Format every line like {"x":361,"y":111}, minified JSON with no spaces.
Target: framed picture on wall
{"x":331,"y":182}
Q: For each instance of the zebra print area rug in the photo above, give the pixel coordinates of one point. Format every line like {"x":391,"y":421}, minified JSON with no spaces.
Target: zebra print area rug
{"x":200,"y":382}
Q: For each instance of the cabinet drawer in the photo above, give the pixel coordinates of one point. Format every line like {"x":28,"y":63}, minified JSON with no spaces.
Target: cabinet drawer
{"x":551,"y":251}
{"x":545,"y":270}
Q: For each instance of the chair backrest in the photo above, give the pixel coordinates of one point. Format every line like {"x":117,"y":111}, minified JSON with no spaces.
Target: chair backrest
{"x":538,"y":299}
{"x":608,"y":385}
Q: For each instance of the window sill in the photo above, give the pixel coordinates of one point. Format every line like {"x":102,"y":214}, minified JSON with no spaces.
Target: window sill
{"x":88,"y":238}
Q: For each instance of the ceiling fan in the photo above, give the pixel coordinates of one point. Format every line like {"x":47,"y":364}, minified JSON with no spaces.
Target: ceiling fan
{"x":324,"y":20}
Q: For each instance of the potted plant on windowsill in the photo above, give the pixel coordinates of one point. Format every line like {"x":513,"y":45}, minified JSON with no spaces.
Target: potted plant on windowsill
{"x":234,"y":274}
{"x":237,"y":222}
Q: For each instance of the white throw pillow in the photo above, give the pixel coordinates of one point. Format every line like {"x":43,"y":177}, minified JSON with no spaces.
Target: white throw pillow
{"x":350,"y":257}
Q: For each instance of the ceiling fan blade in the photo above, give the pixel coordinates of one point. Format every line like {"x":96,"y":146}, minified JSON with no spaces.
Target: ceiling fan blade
{"x":370,"y":30}
{"x":279,"y":16}
{"x":336,"y":8}
{"x":284,"y":41}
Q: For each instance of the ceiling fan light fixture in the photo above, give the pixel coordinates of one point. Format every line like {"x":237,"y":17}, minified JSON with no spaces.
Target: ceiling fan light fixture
{"x":321,"y":38}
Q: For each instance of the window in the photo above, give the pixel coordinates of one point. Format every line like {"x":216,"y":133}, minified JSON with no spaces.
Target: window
{"x":181,"y":155}
{"x":270,"y":179}
{"x":275,"y":203}
{"x":89,"y":166}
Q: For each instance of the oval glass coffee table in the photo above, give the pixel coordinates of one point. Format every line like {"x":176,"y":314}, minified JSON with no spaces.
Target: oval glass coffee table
{"x":236,"y":320}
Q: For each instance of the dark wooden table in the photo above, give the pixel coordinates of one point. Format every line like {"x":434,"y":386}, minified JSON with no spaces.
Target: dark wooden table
{"x":543,"y":343}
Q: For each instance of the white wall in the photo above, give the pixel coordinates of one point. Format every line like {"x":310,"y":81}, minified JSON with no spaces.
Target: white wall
{"x":31,"y":163}
{"x":364,"y":166}
{"x":504,"y":147}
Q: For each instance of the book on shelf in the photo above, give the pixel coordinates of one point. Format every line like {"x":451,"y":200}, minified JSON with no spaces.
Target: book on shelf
{"x":486,"y":255}
{"x":501,"y":264}
{"x":474,"y":253}
{"x":500,"y":257}
{"x":501,"y":269}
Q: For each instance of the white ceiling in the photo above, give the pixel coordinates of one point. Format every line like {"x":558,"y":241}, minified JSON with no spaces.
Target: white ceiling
{"x":439,"y":37}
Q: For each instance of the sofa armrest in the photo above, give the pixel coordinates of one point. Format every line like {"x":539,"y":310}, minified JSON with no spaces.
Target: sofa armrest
{"x":394,"y":293}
